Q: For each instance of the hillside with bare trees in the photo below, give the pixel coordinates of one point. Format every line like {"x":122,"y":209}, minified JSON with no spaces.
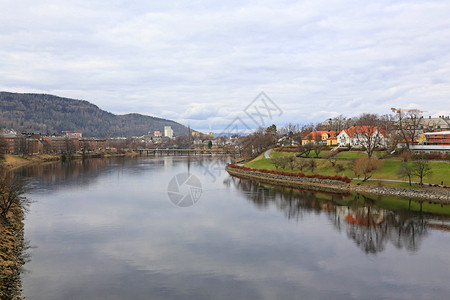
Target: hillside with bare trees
{"x":41,"y":113}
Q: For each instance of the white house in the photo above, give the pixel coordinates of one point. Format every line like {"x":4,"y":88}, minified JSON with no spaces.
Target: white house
{"x":353,"y":136}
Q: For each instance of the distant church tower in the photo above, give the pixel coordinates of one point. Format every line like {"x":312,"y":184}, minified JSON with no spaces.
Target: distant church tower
{"x":189,"y":133}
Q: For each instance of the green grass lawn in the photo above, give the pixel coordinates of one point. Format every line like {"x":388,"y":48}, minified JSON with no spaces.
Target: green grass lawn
{"x":388,"y":169}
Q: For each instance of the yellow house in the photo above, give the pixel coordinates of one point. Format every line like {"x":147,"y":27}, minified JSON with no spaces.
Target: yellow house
{"x":325,"y":137}
{"x":422,"y":139}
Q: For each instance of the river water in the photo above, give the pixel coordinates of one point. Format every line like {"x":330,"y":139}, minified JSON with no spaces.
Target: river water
{"x":108,"y":229}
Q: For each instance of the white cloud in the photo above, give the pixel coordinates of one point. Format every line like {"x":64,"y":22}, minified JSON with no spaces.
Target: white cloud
{"x":191,"y":62}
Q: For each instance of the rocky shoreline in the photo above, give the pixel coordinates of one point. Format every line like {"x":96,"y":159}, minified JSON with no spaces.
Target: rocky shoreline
{"x":12,"y":254}
{"x":426,"y":194}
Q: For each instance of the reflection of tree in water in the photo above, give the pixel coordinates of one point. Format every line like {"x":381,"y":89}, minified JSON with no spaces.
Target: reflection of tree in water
{"x":293,"y":203}
{"x":370,"y":227}
{"x":80,"y":172}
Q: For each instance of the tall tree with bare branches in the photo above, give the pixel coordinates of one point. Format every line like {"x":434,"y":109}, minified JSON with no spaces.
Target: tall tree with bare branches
{"x":408,"y":126}
{"x":369,"y":133}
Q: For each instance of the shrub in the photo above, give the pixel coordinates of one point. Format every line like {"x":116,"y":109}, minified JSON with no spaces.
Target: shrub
{"x":405,"y":156}
{"x":338,"y":168}
{"x":365,"y":166}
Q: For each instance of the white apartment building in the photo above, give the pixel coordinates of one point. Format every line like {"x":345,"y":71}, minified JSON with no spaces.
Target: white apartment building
{"x":168,"y":132}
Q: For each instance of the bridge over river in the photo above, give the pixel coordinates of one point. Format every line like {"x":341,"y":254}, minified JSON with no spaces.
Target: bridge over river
{"x":192,"y":152}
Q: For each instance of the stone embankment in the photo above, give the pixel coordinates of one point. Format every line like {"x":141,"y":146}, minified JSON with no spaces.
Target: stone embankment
{"x":426,"y":194}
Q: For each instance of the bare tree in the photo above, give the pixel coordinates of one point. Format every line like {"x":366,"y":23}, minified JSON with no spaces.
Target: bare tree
{"x":283,"y":162}
{"x":291,"y":131}
{"x":3,"y":146}
{"x":291,"y":162}
{"x":300,"y":164}
{"x":405,"y":171}
{"x":305,"y":130}
{"x":331,"y":157}
{"x":369,"y":132}
{"x":21,"y":145}
{"x":408,"y":126}
{"x":421,"y":168}
{"x":336,"y":124}
{"x":256,"y":143}
{"x":318,"y":144}
{"x":388,"y":125}
{"x":277,"y":162}
{"x":312,"y":164}
{"x":69,"y":145}
{"x":305,"y":149}
{"x":12,"y":189}
{"x":183,"y":141}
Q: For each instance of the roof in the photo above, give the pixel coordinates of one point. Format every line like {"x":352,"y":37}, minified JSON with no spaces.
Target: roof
{"x":8,"y":135}
{"x":437,"y":132}
{"x":319,"y":133}
{"x":360,"y":129}
{"x":409,"y":140}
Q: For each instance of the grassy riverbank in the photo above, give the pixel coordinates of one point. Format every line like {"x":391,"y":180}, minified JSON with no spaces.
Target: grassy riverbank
{"x":17,"y":161}
{"x":351,"y":193}
{"x":12,"y":162}
{"x":381,"y":178}
{"x":387,"y":170}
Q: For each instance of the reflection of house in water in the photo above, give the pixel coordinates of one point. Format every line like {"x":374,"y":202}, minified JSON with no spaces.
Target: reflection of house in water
{"x":368,"y":216}
{"x":443,"y":225}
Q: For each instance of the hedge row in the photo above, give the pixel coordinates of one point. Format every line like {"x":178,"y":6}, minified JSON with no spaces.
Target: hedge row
{"x":283,"y":173}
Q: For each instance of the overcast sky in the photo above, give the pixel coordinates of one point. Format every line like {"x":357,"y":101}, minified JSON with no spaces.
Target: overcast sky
{"x":203,"y":62}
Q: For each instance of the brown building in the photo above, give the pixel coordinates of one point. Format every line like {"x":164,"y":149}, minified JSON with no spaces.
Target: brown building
{"x":63,"y":144}
{"x":91,"y":144}
{"x":10,"y":141}
{"x":35,"y":146}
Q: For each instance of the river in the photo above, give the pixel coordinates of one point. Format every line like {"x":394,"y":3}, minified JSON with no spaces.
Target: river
{"x":109,"y":229}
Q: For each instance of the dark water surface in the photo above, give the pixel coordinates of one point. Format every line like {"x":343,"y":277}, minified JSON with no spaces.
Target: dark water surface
{"x":106,"y":229}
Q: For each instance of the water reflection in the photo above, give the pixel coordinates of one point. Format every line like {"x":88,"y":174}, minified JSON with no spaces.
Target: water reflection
{"x":105,"y":229}
{"x":370,"y":227}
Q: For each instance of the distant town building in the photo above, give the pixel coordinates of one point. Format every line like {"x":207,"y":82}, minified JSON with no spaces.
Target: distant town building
{"x":442,"y":123}
{"x":168,"y":132}
{"x":73,"y":133}
{"x":157,"y":133}
{"x":10,"y":143}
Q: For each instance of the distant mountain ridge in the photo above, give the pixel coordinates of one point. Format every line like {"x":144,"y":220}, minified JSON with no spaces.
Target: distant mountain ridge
{"x":52,"y":114}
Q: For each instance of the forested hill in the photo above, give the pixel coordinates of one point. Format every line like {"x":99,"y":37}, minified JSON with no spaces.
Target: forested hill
{"x":51,"y":114}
